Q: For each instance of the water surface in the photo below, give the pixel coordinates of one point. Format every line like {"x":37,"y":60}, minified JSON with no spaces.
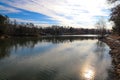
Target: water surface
{"x":54,"y":58}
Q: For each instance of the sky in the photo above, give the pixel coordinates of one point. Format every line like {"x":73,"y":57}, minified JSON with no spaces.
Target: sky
{"x":75,"y":13}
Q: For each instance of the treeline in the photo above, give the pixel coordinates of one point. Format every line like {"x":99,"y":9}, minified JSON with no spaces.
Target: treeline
{"x":13,"y":28}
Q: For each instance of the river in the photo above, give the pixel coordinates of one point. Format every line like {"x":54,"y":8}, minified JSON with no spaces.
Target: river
{"x":54,"y":58}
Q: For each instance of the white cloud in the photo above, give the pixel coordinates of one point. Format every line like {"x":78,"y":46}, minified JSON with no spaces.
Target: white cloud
{"x":78,"y":13}
{"x":8,"y":9}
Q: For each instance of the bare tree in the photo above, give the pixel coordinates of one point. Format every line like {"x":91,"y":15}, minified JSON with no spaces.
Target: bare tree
{"x":101,"y":27}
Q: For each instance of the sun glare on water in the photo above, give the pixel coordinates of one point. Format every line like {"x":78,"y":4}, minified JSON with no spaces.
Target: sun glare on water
{"x":89,"y":74}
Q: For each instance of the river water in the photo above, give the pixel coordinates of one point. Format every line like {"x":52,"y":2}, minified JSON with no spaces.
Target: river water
{"x":54,"y":58}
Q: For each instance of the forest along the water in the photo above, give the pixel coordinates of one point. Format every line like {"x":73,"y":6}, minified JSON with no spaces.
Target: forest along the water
{"x":9,"y":28}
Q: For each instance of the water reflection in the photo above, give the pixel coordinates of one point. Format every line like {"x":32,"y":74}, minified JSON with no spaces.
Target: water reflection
{"x":89,"y":74}
{"x":57,"y":58}
{"x":97,"y":63}
{"x":7,"y":45}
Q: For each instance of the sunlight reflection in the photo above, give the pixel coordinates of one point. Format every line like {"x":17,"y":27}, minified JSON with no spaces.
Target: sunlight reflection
{"x":89,"y":74}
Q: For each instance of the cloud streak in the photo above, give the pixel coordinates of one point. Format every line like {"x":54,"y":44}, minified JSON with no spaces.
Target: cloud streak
{"x":5,"y":9}
{"x":80,"y":13}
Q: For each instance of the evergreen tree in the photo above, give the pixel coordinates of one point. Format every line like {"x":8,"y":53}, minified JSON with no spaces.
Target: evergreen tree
{"x":4,"y":20}
{"x":115,"y":16}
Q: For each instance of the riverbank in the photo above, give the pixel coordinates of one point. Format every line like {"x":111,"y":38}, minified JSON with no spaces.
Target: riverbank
{"x":114,"y":42}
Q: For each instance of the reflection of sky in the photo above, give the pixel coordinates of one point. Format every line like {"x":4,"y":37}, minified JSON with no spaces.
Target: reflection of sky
{"x":38,"y":48}
{"x":77,"y":60}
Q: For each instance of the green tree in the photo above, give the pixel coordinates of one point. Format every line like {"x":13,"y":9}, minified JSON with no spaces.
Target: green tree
{"x":4,"y":20}
{"x":115,"y":16}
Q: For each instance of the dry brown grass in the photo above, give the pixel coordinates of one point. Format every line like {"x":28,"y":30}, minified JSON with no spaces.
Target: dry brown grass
{"x":116,"y":37}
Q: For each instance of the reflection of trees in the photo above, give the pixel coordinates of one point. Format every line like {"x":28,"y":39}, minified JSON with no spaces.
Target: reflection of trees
{"x":6,"y":46}
{"x":100,"y":49}
{"x":62,"y":39}
{"x":102,"y":61}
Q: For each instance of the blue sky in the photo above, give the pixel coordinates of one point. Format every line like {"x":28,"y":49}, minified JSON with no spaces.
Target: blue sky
{"x":76,"y":13}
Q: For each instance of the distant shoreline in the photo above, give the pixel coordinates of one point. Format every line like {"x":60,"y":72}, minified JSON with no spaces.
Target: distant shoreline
{"x":38,"y":36}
